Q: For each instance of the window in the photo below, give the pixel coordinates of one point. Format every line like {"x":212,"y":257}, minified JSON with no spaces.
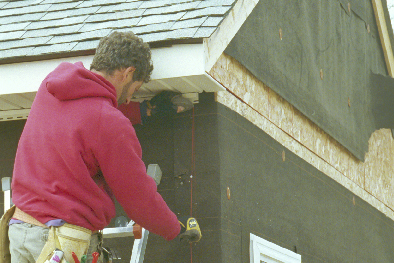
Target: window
{"x":263,"y":251}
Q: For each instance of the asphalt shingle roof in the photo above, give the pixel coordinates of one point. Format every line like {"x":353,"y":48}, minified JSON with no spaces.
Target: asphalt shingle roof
{"x":30,"y":28}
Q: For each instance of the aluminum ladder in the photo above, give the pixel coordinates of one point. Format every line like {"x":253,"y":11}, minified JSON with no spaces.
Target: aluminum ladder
{"x":139,"y":246}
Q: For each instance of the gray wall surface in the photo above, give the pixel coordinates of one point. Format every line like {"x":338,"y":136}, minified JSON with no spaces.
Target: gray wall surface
{"x":274,"y":194}
{"x":319,"y":56}
{"x":280,"y":197}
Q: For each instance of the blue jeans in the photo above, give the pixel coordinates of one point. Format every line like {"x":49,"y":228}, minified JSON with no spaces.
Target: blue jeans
{"x":27,"y":241}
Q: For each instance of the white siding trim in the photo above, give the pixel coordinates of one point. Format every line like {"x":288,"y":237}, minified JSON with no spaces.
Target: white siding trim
{"x":263,"y":250}
{"x":168,"y":62}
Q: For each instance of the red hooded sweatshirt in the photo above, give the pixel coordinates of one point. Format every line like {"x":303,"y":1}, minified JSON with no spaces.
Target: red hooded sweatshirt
{"x":78,"y":151}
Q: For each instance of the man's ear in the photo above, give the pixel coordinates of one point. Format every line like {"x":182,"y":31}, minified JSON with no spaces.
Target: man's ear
{"x":127,"y":72}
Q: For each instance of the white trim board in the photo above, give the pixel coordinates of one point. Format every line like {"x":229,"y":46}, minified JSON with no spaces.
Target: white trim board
{"x":168,"y":62}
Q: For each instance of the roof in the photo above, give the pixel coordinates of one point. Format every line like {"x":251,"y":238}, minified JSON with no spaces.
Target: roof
{"x":186,"y":36}
{"x":37,"y":29}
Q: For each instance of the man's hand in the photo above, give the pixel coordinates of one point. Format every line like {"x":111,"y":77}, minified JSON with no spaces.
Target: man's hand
{"x":190,"y":230}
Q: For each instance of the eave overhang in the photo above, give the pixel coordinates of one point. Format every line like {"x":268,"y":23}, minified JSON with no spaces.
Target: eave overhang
{"x":180,"y":66}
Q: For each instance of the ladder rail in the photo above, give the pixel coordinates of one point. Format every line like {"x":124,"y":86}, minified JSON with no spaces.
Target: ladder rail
{"x":6,"y":188}
{"x":139,"y":246}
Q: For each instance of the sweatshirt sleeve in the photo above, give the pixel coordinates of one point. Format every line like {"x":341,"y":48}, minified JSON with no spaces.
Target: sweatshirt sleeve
{"x":119,"y":153}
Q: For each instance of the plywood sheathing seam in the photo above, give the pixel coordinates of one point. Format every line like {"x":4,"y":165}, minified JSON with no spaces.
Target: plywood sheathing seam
{"x":372,"y":181}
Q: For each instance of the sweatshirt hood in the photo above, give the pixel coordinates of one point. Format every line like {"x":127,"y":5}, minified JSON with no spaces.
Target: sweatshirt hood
{"x":73,"y":81}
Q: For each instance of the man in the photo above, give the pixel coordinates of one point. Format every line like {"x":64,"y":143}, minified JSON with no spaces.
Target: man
{"x":78,"y":152}
{"x":166,"y":103}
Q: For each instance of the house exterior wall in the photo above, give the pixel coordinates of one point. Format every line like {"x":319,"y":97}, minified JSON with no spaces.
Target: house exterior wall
{"x":371,"y":180}
{"x":278,"y":196}
{"x":244,"y":180}
{"x":184,"y":146}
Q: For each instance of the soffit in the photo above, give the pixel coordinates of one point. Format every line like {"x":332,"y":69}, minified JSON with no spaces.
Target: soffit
{"x":178,"y":68}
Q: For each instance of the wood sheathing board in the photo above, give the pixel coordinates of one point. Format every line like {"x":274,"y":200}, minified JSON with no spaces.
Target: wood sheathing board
{"x":371,"y":180}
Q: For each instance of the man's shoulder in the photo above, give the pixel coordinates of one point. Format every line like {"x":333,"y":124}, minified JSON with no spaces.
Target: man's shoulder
{"x":110,"y":115}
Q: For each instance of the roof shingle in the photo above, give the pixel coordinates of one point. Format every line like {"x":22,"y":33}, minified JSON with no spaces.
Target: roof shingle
{"x":21,"y":18}
{"x":56,"y":23}
{"x":26,"y":42}
{"x":13,"y":27}
{"x":39,"y":27}
{"x":16,"y":4}
{"x":52,"y":31}
{"x":24,"y":10}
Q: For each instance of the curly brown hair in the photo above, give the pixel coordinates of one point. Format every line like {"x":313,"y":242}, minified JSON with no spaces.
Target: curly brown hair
{"x":121,"y":50}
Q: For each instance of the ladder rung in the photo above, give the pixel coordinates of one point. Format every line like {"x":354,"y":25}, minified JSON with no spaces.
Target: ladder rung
{"x":113,"y":232}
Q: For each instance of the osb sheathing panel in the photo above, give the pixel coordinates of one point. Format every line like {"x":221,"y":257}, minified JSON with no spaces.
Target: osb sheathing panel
{"x":373,"y":180}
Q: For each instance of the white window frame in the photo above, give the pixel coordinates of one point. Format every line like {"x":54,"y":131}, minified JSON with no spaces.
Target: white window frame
{"x":263,"y":250}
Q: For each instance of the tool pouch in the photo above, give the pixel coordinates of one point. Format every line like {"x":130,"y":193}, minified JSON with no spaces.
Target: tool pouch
{"x":68,"y":238}
{"x":5,"y":255}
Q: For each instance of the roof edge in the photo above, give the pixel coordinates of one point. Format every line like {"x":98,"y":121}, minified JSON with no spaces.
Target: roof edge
{"x":88,"y":52}
{"x":215,"y":45}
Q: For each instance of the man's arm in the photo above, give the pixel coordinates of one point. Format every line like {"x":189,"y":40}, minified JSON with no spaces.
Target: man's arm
{"x":119,"y":154}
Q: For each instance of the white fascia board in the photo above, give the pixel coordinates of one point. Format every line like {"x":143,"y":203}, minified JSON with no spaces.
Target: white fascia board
{"x":219,"y":40}
{"x":178,"y":61}
{"x":168,"y":62}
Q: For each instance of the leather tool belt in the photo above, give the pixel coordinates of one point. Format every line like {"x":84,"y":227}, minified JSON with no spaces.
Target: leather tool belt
{"x":68,"y":238}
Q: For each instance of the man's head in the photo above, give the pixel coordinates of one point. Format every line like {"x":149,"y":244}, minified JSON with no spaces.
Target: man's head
{"x":125,"y":60}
